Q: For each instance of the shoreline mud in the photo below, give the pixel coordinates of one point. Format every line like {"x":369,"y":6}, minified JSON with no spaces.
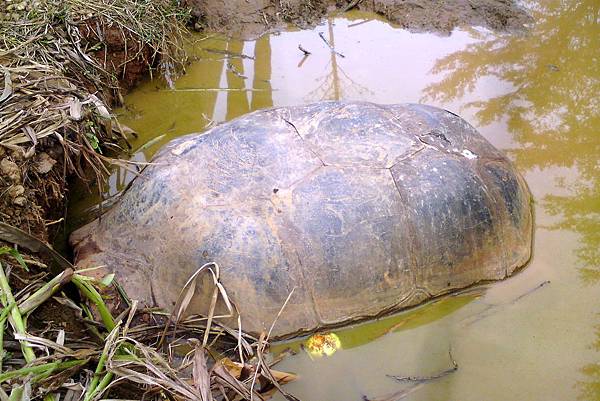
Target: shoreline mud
{"x":252,"y":18}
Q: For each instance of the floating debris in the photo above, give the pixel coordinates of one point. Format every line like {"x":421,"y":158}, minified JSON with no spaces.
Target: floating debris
{"x":323,"y":344}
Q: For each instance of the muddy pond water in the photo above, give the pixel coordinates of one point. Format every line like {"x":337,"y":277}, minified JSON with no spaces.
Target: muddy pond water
{"x":532,"y":94}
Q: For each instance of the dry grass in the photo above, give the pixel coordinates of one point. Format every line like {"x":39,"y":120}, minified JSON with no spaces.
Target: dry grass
{"x":61,"y":63}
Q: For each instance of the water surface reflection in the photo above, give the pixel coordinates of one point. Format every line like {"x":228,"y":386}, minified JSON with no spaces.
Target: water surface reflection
{"x":551,"y":109}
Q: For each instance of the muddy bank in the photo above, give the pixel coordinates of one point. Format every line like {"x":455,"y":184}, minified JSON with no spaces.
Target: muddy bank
{"x":63,"y":68}
{"x":120,"y":53}
{"x":443,"y":16}
{"x":251,"y":18}
{"x":33,"y":190}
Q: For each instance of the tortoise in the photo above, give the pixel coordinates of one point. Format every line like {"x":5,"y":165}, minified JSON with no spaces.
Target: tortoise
{"x":355,"y":209}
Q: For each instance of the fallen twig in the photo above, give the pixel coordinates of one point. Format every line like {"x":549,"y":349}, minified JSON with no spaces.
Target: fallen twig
{"x":490,"y":309}
{"x":415,"y":383}
{"x":422,"y":379}
{"x":228,"y":53}
{"x":359,"y":23}
{"x":303,"y":50}
{"x":322,"y":36}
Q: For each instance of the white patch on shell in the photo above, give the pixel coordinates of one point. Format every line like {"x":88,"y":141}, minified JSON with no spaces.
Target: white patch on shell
{"x":182,"y":148}
{"x":468,"y":154}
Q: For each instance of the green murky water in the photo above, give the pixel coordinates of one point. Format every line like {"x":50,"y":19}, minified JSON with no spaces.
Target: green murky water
{"x":533,"y":95}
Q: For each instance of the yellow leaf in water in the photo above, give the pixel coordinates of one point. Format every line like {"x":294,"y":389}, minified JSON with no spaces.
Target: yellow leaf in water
{"x":322,"y":344}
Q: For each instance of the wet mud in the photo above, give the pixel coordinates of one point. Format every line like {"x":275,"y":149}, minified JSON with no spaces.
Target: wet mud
{"x":32,"y":190}
{"x":119,"y":52}
{"x":248,"y":19}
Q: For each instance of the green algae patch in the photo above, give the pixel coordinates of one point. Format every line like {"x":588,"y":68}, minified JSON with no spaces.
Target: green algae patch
{"x":355,"y":336}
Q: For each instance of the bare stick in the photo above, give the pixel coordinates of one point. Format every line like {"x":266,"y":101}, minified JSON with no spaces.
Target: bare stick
{"x":540,"y":285}
{"x":490,"y":309}
{"x":303,"y":50}
{"x":423,"y":379}
{"x":359,"y":23}
{"x":330,"y":46}
{"x":302,"y":61}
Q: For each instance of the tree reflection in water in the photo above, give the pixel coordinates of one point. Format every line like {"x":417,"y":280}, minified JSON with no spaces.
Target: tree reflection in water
{"x":552,"y":109}
{"x":336,"y":84}
{"x":247,"y":98}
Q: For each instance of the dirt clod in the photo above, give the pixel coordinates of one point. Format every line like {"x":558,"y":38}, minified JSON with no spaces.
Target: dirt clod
{"x":44,"y":163}
{"x":10,"y":170}
{"x":16,"y":190}
{"x":20,"y":201}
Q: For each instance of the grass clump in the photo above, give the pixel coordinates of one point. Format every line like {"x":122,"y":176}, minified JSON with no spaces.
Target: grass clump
{"x":63,"y":65}
{"x":59,"y":73}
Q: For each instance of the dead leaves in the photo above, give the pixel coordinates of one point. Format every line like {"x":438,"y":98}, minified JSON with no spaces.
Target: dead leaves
{"x":7,"y":92}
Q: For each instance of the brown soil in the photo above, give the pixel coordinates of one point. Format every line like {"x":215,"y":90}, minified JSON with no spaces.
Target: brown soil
{"x":445,"y":15}
{"x":119,"y":52}
{"x":251,"y":18}
{"x":32,"y":200}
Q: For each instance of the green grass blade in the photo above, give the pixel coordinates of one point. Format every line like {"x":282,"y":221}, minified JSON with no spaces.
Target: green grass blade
{"x":15,"y":318}
{"x":90,"y":293}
